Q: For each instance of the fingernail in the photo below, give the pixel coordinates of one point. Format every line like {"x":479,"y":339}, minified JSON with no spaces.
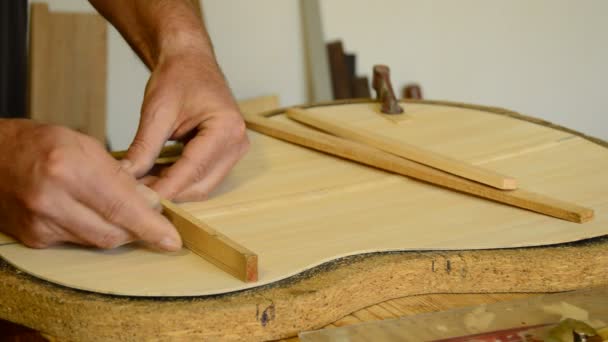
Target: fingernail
{"x":125,"y":164}
{"x":170,"y":244}
{"x":150,"y":196}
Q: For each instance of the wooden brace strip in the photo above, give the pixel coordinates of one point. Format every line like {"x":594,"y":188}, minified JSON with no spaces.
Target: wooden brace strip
{"x":411,"y":152}
{"x":383,"y":160}
{"x":211,"y":245}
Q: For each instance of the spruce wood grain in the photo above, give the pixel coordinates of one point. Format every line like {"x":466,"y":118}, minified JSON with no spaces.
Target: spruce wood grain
{"x":299,"y":208}
{"x":411,"y":152}
{"x":377,"y":158}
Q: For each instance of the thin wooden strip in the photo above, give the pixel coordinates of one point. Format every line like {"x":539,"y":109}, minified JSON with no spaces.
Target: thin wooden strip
{"x":417,"y":154}
{"x":212,"y":245}
{"x":374,"y":157}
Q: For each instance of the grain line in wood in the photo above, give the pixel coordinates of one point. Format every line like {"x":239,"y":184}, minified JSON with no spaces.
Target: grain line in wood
{"x":411,"y":152}
{"x":211,"y":245}
{"x":377,"y":158}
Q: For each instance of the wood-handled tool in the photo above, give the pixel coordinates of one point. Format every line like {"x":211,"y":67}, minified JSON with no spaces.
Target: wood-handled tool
{"x":414,"y":153}
{"x":368,"y":155}
{"x":384,"y":90}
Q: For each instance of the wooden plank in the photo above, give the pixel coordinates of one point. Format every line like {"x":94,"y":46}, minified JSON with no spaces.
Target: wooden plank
{"x":210,"y":244}
{"x":67,"y":71}
{"x":375,"y":279}
{"x":317,"y":61}
{"x":360,"y":88}
{"x":411,"y":152}
{"x":377,"y":158}
{"x":340,"y":75}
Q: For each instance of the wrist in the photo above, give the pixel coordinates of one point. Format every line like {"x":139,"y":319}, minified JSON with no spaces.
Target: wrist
{"x":179,"y":30}
{"x":185,"y":41}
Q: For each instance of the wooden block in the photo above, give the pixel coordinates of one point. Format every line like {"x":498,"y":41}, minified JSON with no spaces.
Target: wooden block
{"x":412,"y":91}
{"x":212,"y":245}
{"x":67,"y":72}
{"x":340,"y":75}
{"x":360,"y":88}
{"x":411,"y":152}
{"x":383,"y":160}
{"x":317,"y":61}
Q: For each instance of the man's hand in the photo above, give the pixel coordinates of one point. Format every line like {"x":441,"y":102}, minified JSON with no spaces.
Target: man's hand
{"x":57,"y":185}
{"x":187,"y":97}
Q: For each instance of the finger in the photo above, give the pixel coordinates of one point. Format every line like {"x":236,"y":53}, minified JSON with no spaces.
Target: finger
{"x":43,"y":233}
{"x":61,"y":234}
{"x":87,"y":227}
{"x":201,"y":190}
{"x":114,"y":196}
{"x":155,"y":128}
{"x":194,"y":165}
{"x":150,"y":196}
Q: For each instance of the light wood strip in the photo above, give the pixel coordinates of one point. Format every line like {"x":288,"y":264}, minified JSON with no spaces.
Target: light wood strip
{"x":212,"y":245}
{"x":417,"y":154}
{"x":68,"y":70}
{"x":371,"y":156}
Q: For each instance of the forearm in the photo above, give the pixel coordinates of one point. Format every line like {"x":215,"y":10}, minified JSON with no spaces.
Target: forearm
{"x":158,"y":28}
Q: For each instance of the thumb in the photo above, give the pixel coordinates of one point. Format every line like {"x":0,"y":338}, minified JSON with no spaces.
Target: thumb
{"x":154,"y":130}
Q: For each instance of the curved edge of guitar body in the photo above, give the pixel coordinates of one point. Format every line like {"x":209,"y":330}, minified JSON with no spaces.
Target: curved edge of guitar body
{"x":298,"y":209}
{"x":310,"y":301}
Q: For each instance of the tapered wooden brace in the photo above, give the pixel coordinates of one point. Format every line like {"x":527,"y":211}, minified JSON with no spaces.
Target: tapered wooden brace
{"x":384,"y":90}
{"x":368,"y":155}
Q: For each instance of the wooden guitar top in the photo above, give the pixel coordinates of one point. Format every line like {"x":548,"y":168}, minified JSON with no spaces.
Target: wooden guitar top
{"x":297,"y":208}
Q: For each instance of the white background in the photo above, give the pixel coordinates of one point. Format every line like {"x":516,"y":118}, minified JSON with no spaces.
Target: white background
{"x":546,"y":58}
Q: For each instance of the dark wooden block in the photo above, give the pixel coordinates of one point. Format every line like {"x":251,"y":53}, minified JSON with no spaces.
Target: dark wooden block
{"x":361,"y":88}
{"x":340,"y":75}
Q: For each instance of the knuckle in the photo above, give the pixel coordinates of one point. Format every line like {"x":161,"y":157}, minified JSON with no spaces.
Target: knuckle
{"x":200,"y":171}
{"x":114,"y":210}
{"x":140,"y":145}
{"x":56,"y":165}
{"x":37,"y":202}
{"x":238,"y":131}
{"x":108,"y":241}
{"x":38,"y":236}
{"x":245,"y":145}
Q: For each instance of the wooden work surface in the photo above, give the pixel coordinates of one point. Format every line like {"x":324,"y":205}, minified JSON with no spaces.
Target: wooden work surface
{"x":297,"y":208}
{"x":318,"y":296}
{"x":311,"y":301}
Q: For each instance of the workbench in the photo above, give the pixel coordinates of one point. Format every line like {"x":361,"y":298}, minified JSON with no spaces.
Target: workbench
{"x":319,"y":297}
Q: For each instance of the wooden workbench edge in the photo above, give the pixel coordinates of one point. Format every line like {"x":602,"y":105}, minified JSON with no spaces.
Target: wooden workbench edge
{"x":301,"y":303}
